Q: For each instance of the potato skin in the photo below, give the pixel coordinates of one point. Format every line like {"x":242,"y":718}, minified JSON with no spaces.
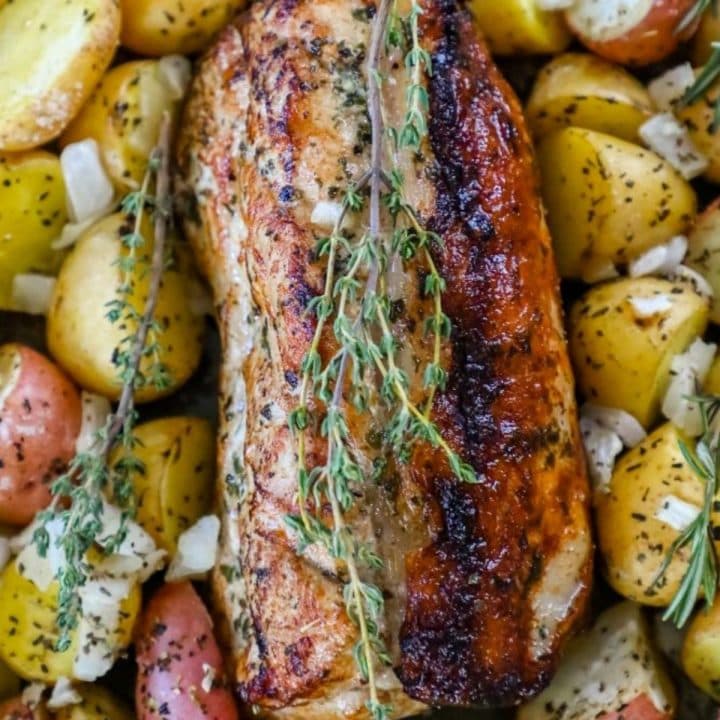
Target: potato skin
{"x":622,"y":360}
{"x":633,"y":542}
{"x":704,"y":252}
{"x":585,"y":91}
{"x":700,"y":656}
{"x":52,"y":55}
{"x":32,"y":214}
{"x":519,"y":27}
{"x":163,"y":27}
{"x":698,"y":118}
{"x":40,"y":417}
{"x":83,"y":340}
{"x":175,"y":640}
{"x":650,"y":40}
{"x":608,"y":200}
{"x":177,"y":485}
{"x":127,"y":134}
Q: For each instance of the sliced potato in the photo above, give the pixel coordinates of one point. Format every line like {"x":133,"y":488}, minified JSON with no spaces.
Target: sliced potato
{"x":28,"y":628}
{"x":704,"y":252}
{"x":612,"y":672}
{"x":176,"y":487}
{"x":161,"y":27}
{"x":623,"y":336}
{"x":647,"y":482}
{"x":52,"y":54}
{"x":585,"y":91}
{"x":608,"y":200}
{"x":519,"y":27}
{"x":84,"y":341}
{"x":97,"y":704}
{"x":699,"y":119}
{"x":123,"y":116}
{"x":32,"y":214}
{"x":632,"y":33}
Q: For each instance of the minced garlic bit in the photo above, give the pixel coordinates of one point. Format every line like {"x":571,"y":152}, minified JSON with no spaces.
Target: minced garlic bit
{"x":676,"y":513}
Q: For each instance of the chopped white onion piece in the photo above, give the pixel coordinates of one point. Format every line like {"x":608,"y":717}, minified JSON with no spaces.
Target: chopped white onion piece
{"x":666,"y":89}
{"x":63,"y":694}
{"x":87,"y":187}
{"x":646,"y":307}
{"x":71,"y":232}
{"x":669,"y":138}
{"x":600,"y":271}
{"x":688,"y":372}
{"x":32,"y":293}
{"x":326,"y":214}
{"x":602,"y":446}
{"x":101,"y":602}
{"x":622,"y":423}
{"x":209,"y":673}
{"x":4,"y":552}
{"x":176,"y":72}
{"x":32,"y":695}
{"x":196,"y":551}
{"x":676,"y":513}
{"x":661,"y":259}
{"x":554,"y":4}
{"x":693,"y":278}
{"x":95,"y":412}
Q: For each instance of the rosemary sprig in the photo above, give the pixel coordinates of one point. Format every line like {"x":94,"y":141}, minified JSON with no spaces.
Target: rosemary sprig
{"x":356,"y":307}
{"x":702,"y":571}
{"x":78,"y":494}
{"x":695,"y":12}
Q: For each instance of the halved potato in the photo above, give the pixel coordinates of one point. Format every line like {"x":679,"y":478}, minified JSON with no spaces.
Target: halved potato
{"x":634,"y":517}
{"x":176,"y":487}
{"x":52,"y":54}
{"x":701,"y":650}
{"x":623,"y":337}
{"x":520,"y":27}
{"x":162,"y":27}
{"x":611,"y":672}
{"x":124,"y":116}
{"x":85,"y":342}
{"x":704,"y":252}
{"x":28,"y":627}
{"x":585,"y":91}
{"x":699,"y":119}
{"x":32,"y":214}
{"x":608,"y":200}
{"x":632,"y":33}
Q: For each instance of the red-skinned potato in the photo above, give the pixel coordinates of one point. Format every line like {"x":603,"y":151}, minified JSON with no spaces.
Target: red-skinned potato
{"x":611,"y":672}
{"x":40,"y":415}
{"x":16,"y":709}
{"x":631,"y":33}
{"x":180,"y":668}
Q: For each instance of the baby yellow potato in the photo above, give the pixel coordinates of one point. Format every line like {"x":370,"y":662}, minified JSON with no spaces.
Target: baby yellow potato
{"x":28,"y":629}
{"x":623,"y":336}
{"x":84,"y":341}
{"x":699,"y":119}
{"x":700,"y":655}
{"x":608,"y":200}
{"x":176,"y":486}
{"x":123,"y":116}
{"x":582,"y":90}
{"x":704,"y":252}
{"x":632,"y":517}
{"x":162,"y":27}
{"x":707,"y":33}
{"x":712,"y":379}
{"x":52,"y":55}
{"x":32,"y":214}
{"x":519,"y":27}
{"x":97,"y":704}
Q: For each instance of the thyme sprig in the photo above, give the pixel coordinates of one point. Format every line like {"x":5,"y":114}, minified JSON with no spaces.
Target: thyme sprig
{"x":702,"y":570}
{"x":78,"y":494}
{"x":355,"y":306}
